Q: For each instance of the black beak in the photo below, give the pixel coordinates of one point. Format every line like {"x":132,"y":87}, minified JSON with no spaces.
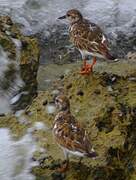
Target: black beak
{"x":62,"y":17}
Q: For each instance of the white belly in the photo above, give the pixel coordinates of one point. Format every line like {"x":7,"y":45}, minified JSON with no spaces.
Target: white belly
{"x":86,"y":53}
{"x":75,"y":153}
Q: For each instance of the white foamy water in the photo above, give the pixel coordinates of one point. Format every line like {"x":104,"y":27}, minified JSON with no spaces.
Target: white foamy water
{"x":18,"y":45}
{"x":13,"y":84}
{"x":15,"y":157}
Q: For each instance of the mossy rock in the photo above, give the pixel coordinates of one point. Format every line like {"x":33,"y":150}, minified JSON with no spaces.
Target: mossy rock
{"x":28,"y":61}
{"x":109,"y":118}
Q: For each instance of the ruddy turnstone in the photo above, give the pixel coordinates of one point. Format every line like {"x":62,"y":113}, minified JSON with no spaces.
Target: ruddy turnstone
{"x":69,"y":134}
{"x":88,"y":38}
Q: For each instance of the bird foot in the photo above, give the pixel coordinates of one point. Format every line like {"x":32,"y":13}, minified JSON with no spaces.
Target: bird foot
{"x":64,"y":167}
{"x":86,"y":70}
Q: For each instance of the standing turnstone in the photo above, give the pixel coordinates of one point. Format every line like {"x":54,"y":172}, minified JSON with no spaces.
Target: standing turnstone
{"x":69,"y":134}
{"x":88,"y":38}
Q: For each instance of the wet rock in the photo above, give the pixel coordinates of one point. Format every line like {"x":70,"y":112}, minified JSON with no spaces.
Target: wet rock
{"x":1,"y":115}
{"x":23,"y":62}
{"x":57,"y":48}
{"x":124,"y":44}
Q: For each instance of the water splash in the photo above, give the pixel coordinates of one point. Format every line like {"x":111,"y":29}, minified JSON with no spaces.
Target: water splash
{"x":9,"y":85}
{"x":18,"y":46}
{"x":15,"y":157}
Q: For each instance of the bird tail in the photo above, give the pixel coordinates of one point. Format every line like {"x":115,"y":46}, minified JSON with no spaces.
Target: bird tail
{"x":92,"y":154}
{"x":106,"y":53}
{"x":109,"y":56}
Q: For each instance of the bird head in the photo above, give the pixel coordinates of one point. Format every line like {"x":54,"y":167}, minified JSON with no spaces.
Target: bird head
{"x":62,"y":103}
{"x":72,"y":15}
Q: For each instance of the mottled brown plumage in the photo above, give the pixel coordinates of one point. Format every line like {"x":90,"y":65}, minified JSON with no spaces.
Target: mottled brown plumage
{"x":88,"y":38}
{"x":68,"y":133}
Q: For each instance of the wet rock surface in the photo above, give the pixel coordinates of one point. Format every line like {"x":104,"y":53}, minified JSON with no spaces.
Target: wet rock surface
{"x":56,"y":48}
{"x":123,"y":43}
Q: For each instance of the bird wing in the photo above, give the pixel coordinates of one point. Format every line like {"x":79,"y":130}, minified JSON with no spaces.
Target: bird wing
{"x":71,"y":135}
{"x":88,"y":36}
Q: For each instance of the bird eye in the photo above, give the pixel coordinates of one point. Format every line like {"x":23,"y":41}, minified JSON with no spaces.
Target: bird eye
{"x":68,"y":15}
{"x":57,"y":100}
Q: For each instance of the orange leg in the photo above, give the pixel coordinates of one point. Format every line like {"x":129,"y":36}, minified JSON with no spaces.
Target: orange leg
{"x":94,"y":62}
{"x":64,"y":167}
{"x":84,"y":63}
{"x":87,"y":68}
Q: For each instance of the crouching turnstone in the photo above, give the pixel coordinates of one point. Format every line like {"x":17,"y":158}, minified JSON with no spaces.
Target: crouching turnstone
{"x":69,"y":134}
{"x":88,"y":38}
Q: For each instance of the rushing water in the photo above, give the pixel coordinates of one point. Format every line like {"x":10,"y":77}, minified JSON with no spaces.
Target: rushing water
{"x":15,"y":157}
{"x":13,"y":84}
